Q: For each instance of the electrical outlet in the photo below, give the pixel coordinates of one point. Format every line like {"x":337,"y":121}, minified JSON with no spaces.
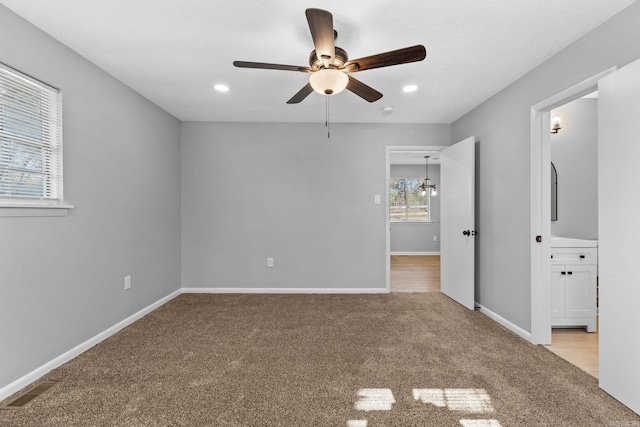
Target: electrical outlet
{"x":127,"y":282}
{"x":269,"y":262}
{"x":376,"y":199}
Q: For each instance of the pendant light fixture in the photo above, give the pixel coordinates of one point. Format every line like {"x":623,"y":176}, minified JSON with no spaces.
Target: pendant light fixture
{"x":426,"y":184}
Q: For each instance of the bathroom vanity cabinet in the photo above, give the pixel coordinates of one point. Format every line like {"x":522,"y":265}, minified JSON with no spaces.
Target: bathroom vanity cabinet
{"x":574,"y":283}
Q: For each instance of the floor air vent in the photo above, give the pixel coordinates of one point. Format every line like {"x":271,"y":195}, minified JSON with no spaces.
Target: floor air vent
{"x":29,"y":395}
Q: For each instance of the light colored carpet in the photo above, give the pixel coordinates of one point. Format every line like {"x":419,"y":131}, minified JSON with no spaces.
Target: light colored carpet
{"x":319,"y":360}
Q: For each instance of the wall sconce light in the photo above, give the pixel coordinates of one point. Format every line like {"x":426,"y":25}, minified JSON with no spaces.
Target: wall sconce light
{"x":556,"y":125}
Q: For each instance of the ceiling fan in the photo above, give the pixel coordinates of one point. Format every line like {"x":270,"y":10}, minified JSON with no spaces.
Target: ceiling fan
{"x":329,"y":65}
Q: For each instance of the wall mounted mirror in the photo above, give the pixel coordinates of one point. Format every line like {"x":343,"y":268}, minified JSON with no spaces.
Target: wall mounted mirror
{"x":554,"y":193}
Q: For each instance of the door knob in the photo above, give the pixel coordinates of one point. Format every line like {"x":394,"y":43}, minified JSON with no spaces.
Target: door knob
{"x":466,"y":233}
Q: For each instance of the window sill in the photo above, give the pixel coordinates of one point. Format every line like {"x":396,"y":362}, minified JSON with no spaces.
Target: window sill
{"x":24,"y":210}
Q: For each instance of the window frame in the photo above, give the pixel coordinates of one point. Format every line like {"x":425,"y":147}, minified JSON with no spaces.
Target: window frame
{"x":408,"y":205}
{"x":48,"y":122}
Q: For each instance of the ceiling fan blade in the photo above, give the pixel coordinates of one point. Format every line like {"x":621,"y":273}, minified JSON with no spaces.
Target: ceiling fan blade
{"x":302,"y":94}
{"x":386,"y":59}
{"x":321,"y":26}
{"x":266,"y":66}
{"x":362,"y":90}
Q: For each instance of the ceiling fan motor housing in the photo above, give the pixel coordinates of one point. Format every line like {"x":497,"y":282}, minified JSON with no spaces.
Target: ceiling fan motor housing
{"x":339,"y":60}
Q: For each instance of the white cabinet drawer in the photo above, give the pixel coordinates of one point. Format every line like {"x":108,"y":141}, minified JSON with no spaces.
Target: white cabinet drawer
{"x":574,"y":255}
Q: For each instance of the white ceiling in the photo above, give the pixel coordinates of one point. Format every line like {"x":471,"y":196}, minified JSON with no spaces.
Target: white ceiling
{"x":174,"y":51}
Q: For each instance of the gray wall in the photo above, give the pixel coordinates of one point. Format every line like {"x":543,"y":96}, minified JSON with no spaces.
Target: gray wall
{"x":417,"y":236}
{"x":574,"y":152}
{"x":252,"y":191}
{"x":61,"y":279}
{"x":501,"y":125}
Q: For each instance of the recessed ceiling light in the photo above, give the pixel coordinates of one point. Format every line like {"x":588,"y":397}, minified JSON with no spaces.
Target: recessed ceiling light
{"x":387,"y":110}
{"x":221,"y":88}
{"x":410,"y":88}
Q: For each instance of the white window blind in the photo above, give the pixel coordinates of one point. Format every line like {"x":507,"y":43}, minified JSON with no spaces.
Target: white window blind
{"x":30,"y":140}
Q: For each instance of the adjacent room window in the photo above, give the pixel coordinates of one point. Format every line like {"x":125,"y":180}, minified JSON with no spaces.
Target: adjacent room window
{"x":30,"y":140}
{"x":406,"y":202}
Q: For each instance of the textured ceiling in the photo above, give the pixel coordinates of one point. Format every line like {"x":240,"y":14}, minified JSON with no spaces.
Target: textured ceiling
{"x":174,"y":51}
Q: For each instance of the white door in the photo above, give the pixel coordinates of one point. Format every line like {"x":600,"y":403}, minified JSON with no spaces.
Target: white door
{"x":457,"y":219}
{"x":619,"y":247}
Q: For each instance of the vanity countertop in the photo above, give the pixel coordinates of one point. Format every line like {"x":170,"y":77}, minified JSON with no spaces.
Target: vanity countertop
{"x":568,"y":242}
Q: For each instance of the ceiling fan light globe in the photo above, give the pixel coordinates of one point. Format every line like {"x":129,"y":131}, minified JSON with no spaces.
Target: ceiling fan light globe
{"x":328,"y":81}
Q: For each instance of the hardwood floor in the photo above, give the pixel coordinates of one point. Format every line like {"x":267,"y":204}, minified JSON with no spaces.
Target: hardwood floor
{"x":421,"y":273}
{"x":578,"y":347}
{"x":415,"y":273}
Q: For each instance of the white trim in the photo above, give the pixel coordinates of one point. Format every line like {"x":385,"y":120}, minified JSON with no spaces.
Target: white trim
{"x":8,"y":210}
{"x":504,"y":322}
{"x":540,"y":195}
{"x":284,"y":291}
{"x":415,"y":222}
{"x":574,"y":92}
{"x":24,"y":381}
{"x":418,"y":253}
{"x":540,"y":225}
{"x":387,"y":260}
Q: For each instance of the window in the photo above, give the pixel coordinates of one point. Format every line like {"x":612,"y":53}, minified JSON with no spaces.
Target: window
{"x":30,"y":141}
{"x":406,"y":203}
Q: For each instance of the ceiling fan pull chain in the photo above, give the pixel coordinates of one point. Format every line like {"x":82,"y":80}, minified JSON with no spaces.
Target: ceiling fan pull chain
{"x":327,"y":121}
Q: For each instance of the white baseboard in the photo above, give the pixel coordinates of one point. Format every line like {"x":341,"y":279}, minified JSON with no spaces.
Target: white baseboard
{"x":24,"y":381}
{"x":504,"y":322}
{"x":285,"y":291}
{"x":415,"y":253}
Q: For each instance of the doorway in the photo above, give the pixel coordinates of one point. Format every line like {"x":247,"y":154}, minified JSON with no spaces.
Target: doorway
{"x":541,"y":204}
{"x":570,"y":214}
{"x":618,"y":105}
{"x":413,"y":221}
{"x":457,"y":219}
{"x":574,"y":229}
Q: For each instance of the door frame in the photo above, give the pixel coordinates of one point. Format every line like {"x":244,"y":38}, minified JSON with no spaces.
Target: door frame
{"x":389,"y":149}
{"x":540,"y":196}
